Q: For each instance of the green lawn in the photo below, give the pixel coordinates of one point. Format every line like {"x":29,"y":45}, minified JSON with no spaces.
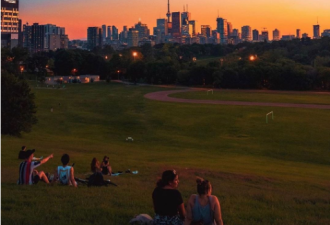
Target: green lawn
{"x":275,"y":173}
{"x":322,"y":98}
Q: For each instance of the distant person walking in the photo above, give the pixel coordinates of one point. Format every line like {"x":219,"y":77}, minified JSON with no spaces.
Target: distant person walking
{"x":203,"y":208}
{"x":167,"y":200}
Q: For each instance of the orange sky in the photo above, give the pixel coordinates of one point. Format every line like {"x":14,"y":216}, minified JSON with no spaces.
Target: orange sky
{"x":77,"y":15}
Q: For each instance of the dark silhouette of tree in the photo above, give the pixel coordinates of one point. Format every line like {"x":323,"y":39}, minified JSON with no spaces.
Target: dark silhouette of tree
{"x":17,"y":105}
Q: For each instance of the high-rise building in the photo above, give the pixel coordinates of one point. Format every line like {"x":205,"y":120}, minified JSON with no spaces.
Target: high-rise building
{"x":316,"y":31}
{"x":94,"y":37}
{"x":185,"y":18}
{"x":176,"y":24}
{"x":264,"y":36}
{"x":206,"y":30}
{"x":255,"y":35}
{"x":114,"y":33}
{"x":193,"y":26}
{"x":109,"y":32}
{"x":326,"y":33}
{"x":222,"y":30}
{"x":229,"y":29}
{"x":304,"y":35}
{"x":11,"y":25}
{"x":104,"y":32}
{"x":162,"y":26}
{"x":123,"y":36}
{"x":246,"y":33}
{"x":298,"y":33}
{"x":144,"y":32}
{"x":276,"y":35}
{"x":287,"y":37}
{"x":133,"y":37}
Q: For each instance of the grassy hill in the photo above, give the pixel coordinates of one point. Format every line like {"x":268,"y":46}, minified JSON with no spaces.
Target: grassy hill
{"x":275,"y":173}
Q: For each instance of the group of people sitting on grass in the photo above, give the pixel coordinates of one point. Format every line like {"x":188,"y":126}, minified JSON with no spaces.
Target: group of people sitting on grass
{"x":202,"y":208}
{"x":64,"y":173}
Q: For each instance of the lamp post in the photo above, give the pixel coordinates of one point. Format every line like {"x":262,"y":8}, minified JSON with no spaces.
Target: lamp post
{"x":134,"y":54}
{"x":118,"y":71}
{"x":221,"y":61}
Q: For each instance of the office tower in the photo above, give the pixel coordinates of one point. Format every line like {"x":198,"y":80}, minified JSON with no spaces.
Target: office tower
{"x":222,"y":30}
{"x":114,"y":33}
{"x":326,"y":33}
{"x":133,"y":37}
{"x":206,"y":30}
{"x":104,"y":31}
{"x":316,"y":31}
{"x":298,"y":33}
{"x":34,"y":37}
{"x":176,"y":24}
{"x":264,"y":36}
{"x":276,"y":35}
{"x":185,"y":18}
{"x":109,"y":33}
{"x":10,"y":24}
{"x":193,"y":27}
{"x":216,"y":36}
{"x":246,"y":33}
{"x":304,"y":35}
{"x":144,"y":32}
{"x":162,"y":26}
{"x":229,"y":29}
{"x":94,"y":37}
{"x":255,"y":35}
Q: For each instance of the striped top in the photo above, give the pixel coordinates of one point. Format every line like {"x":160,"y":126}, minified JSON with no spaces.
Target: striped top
{"x":25,"y":171}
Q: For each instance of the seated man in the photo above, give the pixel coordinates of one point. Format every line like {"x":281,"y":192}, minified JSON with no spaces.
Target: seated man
{"x":65,"y":173}
{"x":22,"y":152}
{"x":27,"y":172}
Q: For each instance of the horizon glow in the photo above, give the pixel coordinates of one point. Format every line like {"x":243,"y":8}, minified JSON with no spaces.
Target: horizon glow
{"x":77,"y":15}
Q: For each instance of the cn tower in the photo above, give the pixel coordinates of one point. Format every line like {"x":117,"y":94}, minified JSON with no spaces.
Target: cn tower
{"x":168,"y":14}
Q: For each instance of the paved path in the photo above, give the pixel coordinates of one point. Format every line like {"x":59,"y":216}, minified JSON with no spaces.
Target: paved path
{"x":163,"y":96}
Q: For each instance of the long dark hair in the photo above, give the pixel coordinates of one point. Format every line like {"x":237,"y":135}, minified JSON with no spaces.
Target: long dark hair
{"x":95,"y":165}
{"x":203,"y":186}
{"x":167,"y":177}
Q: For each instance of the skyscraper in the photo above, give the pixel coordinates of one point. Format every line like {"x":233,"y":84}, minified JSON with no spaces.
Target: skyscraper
{"x":94,"y":37}
{"x":133,"y":37}
{"x":114,"y":33}
{"x":10,"y":23}
{"x":143,"y":30}
{"x":222,"y":30}
{"x":229,"y":29}
{"x":193,"y":27}
{"x":176,"y":24}
{"x":316,"y":31}
{"x":246,"y":33}
{"x":206,"y":30}
{"x":298,"y":33}
{"x":109,"y":32}
{"x":264,"y":36}
{"x":185,"y":18}
{"x":104,"y":31}
{"x":255,"y":35}
{"x":162,"y":26}
{"x":276,"y":35}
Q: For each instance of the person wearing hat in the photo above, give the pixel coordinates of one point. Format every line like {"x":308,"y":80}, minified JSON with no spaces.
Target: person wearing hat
{"x":105,"y":166}
{"x":167,"y":200}
{"x":27,"y":173}
{"x":22,"y":152}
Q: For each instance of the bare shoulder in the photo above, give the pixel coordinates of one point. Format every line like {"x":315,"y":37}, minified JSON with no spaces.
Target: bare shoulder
{"x":192,"y":198}
{"x":214,"y":199}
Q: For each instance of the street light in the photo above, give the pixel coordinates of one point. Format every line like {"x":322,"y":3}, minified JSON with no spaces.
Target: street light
{"x":252,"y":57}
{"x":134,"y":54}
{"x":118,"y":71}
{"x":221,"y":61}
{"x":106,"y":57}
{"x":22,"y":68}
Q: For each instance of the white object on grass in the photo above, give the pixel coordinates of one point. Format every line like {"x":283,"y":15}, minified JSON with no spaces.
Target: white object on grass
{"x":268,"y":115}
{"x":211,"y":90}
{"x":129,"y":139}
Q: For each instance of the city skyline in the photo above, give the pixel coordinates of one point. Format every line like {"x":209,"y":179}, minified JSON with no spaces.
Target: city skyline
{"x":77,"y":15}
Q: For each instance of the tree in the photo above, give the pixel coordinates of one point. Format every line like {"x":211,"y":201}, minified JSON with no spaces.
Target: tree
{"x":17,"y":105}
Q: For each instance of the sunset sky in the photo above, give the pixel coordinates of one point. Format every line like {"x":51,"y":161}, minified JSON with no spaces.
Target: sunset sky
{"x":77,"y":15}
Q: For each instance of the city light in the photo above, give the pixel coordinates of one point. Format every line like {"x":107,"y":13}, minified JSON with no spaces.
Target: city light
{"x":252,"y":57}
{"x":134,"y":55}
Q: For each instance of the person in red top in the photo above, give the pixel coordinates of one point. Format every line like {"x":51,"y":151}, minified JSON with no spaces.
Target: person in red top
{"x":27,"y":172}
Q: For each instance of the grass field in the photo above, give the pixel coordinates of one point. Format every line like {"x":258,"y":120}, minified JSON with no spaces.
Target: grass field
{"x":275,"y":173}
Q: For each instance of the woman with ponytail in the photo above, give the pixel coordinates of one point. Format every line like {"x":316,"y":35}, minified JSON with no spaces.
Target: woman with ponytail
{"x":167,"y":200}
{"x":203,"y":208}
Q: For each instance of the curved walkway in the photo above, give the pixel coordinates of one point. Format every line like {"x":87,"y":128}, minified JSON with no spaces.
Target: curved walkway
{"x":163,"y":96}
